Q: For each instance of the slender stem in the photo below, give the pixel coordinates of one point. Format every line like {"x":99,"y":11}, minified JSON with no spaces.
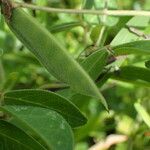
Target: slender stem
{"x":86,"y":11}
{"x":85,"y":26}
{"x":98,"y":17}
{"x":99,"y":40}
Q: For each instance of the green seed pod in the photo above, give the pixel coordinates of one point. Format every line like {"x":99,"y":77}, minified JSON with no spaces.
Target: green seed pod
{"x":50,"y":52}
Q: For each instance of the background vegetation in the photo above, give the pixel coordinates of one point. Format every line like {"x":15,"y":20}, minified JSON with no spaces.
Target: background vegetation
{"x":127,"y":96}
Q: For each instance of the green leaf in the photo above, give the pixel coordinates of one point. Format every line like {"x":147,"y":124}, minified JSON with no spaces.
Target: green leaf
{"x":143,"y":113}
{"x":147,"y":64}
{"x":139,"y":21}
{"x":95,"y":33}
{"x":11,"y":137}
{"x":46,"y":126}
{"x":95,"y":63}
{"x":138,"y":47}
{"x":80,"y":101}
{"x":110,"y":20}
{"x":88,"y":4}
{"x":132,"y":73}
{"x":51,"y":54}
{"x":48,"y":100}
{"x":103,"y":79}
{"x":125,"y":36}
{"x":96,"y":19}
{"x":64,"y":27}
{"x":121,"y":24}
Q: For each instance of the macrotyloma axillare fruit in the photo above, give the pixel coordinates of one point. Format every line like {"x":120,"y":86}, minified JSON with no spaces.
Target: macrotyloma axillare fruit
{"x":49,"y":51}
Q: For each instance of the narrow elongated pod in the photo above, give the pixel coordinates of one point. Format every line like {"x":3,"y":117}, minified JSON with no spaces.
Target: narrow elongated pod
{"x":49,"y":51}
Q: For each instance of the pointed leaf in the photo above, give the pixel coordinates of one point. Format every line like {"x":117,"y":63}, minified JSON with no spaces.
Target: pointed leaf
{"x":132,"y":73}
{"x":94,"y":64}
{"x":125,"y":36}
{"x":47,"y":126}
{"x":14,"y":138}
{"x":139,"y":21}
{"x":138,"y":47}
{"x":48,"y":100}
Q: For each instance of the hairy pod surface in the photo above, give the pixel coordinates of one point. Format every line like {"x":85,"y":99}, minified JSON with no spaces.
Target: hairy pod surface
{"x":52,"y":54}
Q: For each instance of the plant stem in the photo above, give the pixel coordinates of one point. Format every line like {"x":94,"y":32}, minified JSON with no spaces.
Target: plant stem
{"x":99,"y":40}
{"x":85,"y":11}
{"x":102,"y":32}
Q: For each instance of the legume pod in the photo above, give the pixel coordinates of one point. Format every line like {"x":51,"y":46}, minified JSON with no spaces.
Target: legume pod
{"x":50,"y":52}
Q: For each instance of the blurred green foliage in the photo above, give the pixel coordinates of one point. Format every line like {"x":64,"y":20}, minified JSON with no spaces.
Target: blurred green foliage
{"x":19,"y":70}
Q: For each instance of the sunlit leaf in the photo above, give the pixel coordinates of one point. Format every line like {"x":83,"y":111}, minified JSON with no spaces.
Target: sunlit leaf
{"x":125,"y":36}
